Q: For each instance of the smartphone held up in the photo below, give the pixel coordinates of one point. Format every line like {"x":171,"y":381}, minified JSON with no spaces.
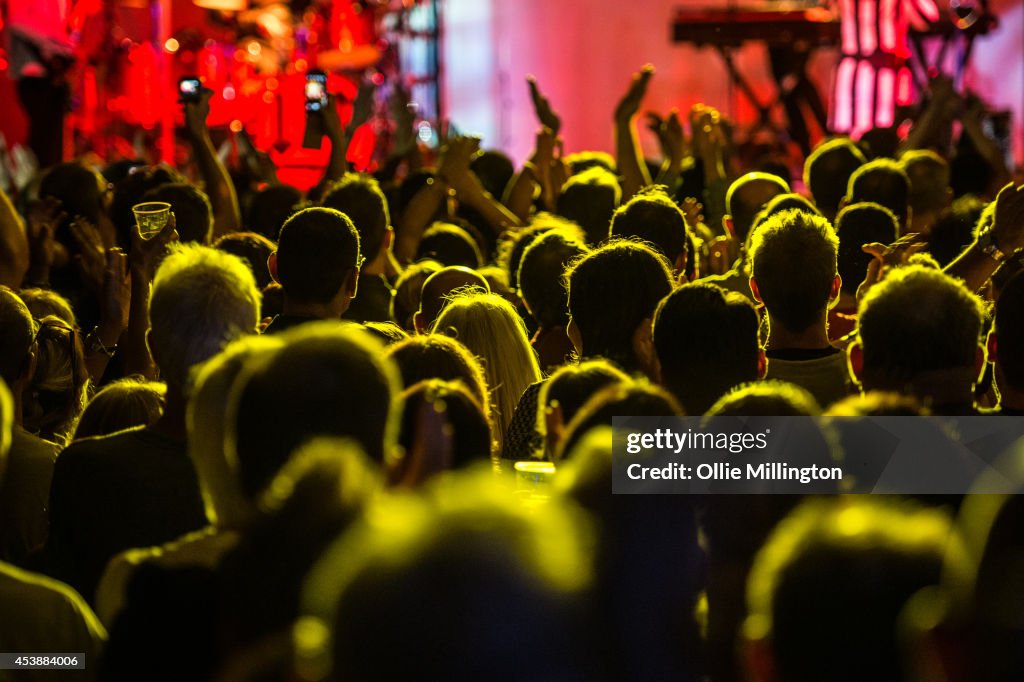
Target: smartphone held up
{"x":190,"y":89}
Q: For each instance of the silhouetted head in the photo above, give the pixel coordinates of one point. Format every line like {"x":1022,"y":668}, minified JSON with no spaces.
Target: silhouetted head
{"x":193,"y":215}
{"x":613,"y":292}
{"x":327,"y":379}
{"x":769,"y":398}
{"x":120,"y":405}
{"x":254,"y":249}
{"x":827,"y":171}
{"x":589,"y":199}
{"x":653,"y":217}
{"x":449,"y":244}
{"x":318,"y":257}
{"x":857,"y":225}
{"x":707,"y":343}
{"x":408,"y":290}
{"x":436,"y":356}
{"x":359,"y":197}
{"x":794,"y":273}
{"x":916,"y":322}
{"x":541,"y":278}
{"x":270,"y":207}
{"x":862,"y":560}
{"x":184,"y":333}
{"x":494,"y":169}
{"x":882,"y":181}
{"x":438,"y":289}
{"x":746,"y":196}
{"x":451,"y":576}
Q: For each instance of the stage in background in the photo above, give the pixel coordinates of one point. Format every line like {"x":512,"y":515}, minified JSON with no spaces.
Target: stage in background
{"x":130,"y":54}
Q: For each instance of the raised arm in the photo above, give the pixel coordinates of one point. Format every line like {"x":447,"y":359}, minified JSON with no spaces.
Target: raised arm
{"x":628,"y":156}
{"x":418,"y":214}
{"x":218,"y":186}
{"x":535,"y":177}
{"x":14,"y":254}
{"x":143,"y":259}
{"x":1006,"y":236}
{"x":669,"y":132}
{"x":972,"y":118}
{"x":469,"y":191}
{"x":709,"y":143}
{"x":339,"y":137}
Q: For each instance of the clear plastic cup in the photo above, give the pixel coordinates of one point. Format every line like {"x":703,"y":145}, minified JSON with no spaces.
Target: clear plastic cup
{"x":151,"y":217}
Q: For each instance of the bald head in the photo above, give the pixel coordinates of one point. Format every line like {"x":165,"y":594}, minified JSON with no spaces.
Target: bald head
{"x":747,"y":195}
{"x":438,"y":288}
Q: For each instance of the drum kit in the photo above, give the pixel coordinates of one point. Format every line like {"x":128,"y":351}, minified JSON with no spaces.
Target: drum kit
{"x":253,"y":55}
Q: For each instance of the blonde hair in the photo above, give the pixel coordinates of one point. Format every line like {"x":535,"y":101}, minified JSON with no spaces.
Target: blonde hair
{"x":492,"y":330}
{"x":202,"y":299}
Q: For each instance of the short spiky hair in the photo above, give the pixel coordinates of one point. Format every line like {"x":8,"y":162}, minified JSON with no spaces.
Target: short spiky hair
{"x":317,"y":252}
{"x":202,"y":299}
{"x":916,"y":320}
{"x":652,"y":216}
{"x":707,"y":343}
{"x":794,"y":263}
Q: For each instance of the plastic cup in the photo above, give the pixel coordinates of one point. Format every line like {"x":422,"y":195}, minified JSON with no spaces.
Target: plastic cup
{"x":151,"y":217}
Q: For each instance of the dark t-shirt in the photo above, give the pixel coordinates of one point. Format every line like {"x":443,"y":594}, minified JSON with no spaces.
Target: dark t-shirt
{"x":135,"y":488}
{"x":25,"y":495}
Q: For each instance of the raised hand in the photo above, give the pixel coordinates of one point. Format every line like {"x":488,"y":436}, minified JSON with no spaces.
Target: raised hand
{"x":116,"y":294}
{"x":456,"y":156}
{"x":542,"y":107}
{"x":669,"y":132}
{"x":1008,"y":220}
{"x":332,"y":122}
{"x":692,"y":212}
{"x":146,"y":254}
{"x":886,"y":257}
{"x":197,"y":112}
{"x":91,"y":259}
{"x":41,"y":223}
{"x":629,"y":105}
{"x":706,"y":127}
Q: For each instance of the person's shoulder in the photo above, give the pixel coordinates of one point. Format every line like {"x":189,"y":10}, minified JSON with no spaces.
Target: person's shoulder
{"x":27,"y":445}
{"x":46,"y":597}
{"x":98,"y":447}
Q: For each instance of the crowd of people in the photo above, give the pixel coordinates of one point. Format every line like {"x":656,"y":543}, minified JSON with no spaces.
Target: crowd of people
{"x":283,"y":438}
